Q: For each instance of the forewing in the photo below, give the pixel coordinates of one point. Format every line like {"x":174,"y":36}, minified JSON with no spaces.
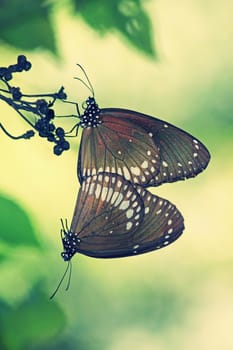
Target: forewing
{"x":107,"y":212}
{"x":181,"y":155}
{"x":121,"y":147}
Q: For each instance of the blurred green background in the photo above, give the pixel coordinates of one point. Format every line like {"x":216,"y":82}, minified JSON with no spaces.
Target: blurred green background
{"x":171,"y":59}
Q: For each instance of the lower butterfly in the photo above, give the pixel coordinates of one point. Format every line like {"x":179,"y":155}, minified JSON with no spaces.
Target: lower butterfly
{"x":113,"y":218}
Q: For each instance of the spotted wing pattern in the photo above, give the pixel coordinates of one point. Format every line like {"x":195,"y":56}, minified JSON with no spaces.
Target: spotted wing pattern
{"x":112,"y":218}
{"x":118,"y":147}
{"x":181,"y":155}
{"x":145,"y":150}
{"x":162,"y":224}
{"x":108,"y":209}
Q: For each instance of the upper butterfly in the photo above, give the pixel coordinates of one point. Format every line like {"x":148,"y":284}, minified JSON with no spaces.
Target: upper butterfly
{"x":145,"y":150}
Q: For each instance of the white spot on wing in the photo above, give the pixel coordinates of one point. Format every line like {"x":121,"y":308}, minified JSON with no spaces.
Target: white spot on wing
{"x":119,"y":199}
{"x":104,"y":193}
{"x":147,"y":209}
{"x":129,"y":225}
{"x":119,"y":171}
{"x":129,"y":213}
{"x":135,"y":170}
{"x":144,"y":165}
{"x":128,"y":195}
{"x":119,"y":183}
{"x":91,"y":188}
{"x":126,"y":173}
{"x":114,"y":197}
{"x":97,"y":190}
{"x":133,"y":197}
{"x":124,"y":205}
{"x":110,"y":192}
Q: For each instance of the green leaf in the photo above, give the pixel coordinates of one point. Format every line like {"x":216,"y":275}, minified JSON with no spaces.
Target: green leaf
{"x":125,"y":16}
{"x":26,"y":24}
{"x":2,"y":257}
{"x":35,"y":321}
{"x":15,"y":226}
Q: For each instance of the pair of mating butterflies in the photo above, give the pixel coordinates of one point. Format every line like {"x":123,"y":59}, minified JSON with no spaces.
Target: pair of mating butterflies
{"x":123,"y":152}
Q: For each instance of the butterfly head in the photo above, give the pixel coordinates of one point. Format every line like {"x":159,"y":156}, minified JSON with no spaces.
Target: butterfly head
{"x":91,"y":116}
{"x":70,"y":242}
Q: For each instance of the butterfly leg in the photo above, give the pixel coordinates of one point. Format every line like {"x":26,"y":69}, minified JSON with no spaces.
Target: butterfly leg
{"x":76,"y":105}
{"x":75,"y":127}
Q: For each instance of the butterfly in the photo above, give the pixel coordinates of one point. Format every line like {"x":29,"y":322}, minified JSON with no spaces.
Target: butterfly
{"x":145,"y":150}
{"x":113,"y":218}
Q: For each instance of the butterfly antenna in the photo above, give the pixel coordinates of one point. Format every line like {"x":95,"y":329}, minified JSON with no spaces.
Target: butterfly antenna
{"x":63,"y":226}
{"x":59,"y":284}
{"x":66,"y":225}
{"x":70,"y":272}
{"x":61,"y":232}
{"x":89,"y":85}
